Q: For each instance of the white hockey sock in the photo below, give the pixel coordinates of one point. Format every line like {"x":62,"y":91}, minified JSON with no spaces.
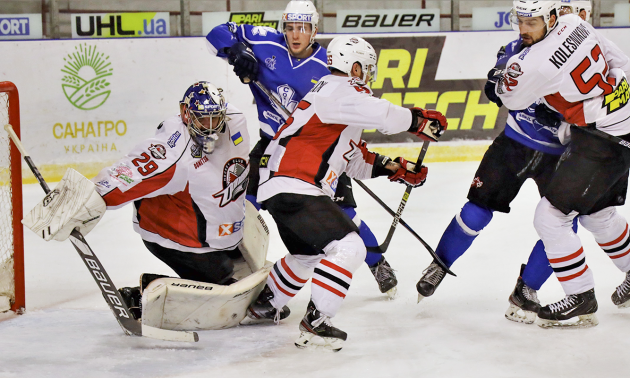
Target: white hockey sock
{"x":563,"y":247}
{"x":333,"y":275}
{"x":289,"y":275}
{"x":610,"y":230}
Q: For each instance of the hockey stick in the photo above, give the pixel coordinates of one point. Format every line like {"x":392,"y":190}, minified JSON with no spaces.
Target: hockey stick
{"x":272,"y":98}
{"x":112,"y":296}
{"x":404,"y":224}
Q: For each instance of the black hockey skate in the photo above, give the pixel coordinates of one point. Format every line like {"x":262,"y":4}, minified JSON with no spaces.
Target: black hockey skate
{"x":318,"y":332}
{"x":262,"y":309}
{"x":559,"y":314}
{"x":385,"y":277}
{"x":524,"y":303}
{"x":621,"y":296}
{"x":433,"y":276}
{"x":133,"y":300}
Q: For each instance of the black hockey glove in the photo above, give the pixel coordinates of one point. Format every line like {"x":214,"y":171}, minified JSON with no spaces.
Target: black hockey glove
{"x":493,"y":76}
{"x":244,"y":61}
{"x":547,"y":117}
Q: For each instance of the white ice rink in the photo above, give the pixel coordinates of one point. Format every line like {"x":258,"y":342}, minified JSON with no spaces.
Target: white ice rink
{"x":68,"y":330}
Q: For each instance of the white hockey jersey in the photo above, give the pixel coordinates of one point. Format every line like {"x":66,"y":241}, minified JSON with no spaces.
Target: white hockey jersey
{"x":570,"y":66}
{"x":322,"y":139}
{"x":184,"y":199}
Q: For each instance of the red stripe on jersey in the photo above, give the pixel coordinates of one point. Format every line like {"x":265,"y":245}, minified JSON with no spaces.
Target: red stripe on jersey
{"x":337,"y":268}
{"x":616,"y":240}
{"x":303,"y":155}
{"x":147,"y":186}
{"x":568,"y":278}
{"x":567,"y":258}
{"x":573,"y":112}
{"x":172,"y":217}
{"x":331,"y":289}
{"x":278,"y":286}
{"x":290,"y":272}
{"x":619,"y":256}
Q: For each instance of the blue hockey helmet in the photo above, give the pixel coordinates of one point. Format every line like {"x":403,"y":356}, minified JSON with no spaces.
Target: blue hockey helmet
{"x":203,"y":111}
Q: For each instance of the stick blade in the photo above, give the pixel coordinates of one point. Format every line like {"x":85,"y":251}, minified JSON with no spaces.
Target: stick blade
{"x":165,"y":334}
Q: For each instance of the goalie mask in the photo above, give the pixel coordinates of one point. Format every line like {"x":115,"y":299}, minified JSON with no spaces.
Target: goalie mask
{"x":344,"y":51}
{"x":523,"y":10}
{"x":299,"y":13}
{"x":203,"y":111}
{"x":575,"y":7}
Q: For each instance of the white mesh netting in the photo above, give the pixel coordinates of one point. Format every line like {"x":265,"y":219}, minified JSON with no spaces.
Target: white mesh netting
{"x":7,"y":283}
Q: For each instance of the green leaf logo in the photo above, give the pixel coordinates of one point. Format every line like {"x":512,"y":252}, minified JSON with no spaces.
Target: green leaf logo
{"x":85,"y":83}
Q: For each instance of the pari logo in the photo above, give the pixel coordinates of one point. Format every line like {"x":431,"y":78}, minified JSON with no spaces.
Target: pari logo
{"x":85,"y":83}
{"x":14,"y":26}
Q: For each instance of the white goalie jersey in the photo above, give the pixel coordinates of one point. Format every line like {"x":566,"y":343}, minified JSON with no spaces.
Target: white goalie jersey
{"x":322,"y":139}
{"x":577,"y":71}
{"x":184,"y":199}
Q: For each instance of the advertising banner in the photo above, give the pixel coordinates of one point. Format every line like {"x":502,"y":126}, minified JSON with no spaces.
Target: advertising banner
{"x":120,"y":25}
{"x":21,"y":26}
{"x":387,"y":21}
{"x":491,"y":18}
{"x":263,"y":18}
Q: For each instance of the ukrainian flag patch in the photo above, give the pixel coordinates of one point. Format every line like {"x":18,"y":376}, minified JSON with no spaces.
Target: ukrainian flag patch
{"x":237,"y":138}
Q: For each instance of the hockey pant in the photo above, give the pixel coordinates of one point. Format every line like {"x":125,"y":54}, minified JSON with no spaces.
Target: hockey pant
{"x":564,"y":248}
{"x":331,"y":274}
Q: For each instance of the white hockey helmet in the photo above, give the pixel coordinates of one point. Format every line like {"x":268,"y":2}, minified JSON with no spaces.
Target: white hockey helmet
{"x":529,"y":8}
{"x":345,"y":50}
{"x":301,"y":11}
{"x":577,"y":6}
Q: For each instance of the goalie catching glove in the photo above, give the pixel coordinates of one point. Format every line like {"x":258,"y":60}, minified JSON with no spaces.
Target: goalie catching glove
{"x":74,"y":203}
{"x":427,"y":124}
{"x":406,"y":173}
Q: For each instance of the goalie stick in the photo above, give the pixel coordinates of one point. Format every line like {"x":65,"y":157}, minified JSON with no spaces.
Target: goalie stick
{"x":111,"y":295}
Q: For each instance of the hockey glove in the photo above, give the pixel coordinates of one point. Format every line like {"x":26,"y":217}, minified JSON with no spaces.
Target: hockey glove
{"x":244,"y":61}
{"x":406,"y":175}
{"x":427,"y":124}
{"x":493,"y":76}
{"x":547,"y":117}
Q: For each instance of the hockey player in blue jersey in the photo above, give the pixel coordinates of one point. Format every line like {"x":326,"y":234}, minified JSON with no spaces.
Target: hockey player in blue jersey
{"x":529,"y":147}
{"x":288,"y":64}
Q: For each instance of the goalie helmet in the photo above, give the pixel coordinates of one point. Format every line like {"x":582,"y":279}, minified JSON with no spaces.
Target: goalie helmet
{"x":532,"y":9}
{"x":301,"y":11}
{"x":203,"y":111}
{"x":576,"y":7}
{"x":344,"y":51}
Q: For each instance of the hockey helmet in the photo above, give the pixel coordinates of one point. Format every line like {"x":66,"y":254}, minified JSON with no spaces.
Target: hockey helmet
{"x":300,"y":11}
{"x":533,"y":9}
{"x":344,"y":51}
{"x":575,"y":7}
{"x":203,"y":111}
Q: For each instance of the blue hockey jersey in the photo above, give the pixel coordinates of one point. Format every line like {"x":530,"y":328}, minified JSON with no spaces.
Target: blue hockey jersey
{"x":281,"y":73}
{"x":522,"y":125}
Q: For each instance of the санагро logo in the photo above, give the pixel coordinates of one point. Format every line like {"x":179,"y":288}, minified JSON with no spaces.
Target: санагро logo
{"x":85,"y":83}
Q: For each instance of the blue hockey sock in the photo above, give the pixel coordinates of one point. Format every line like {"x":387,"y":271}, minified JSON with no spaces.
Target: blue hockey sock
{"x":252,"y":199}
{"x":462,"y":231}
{"x":368,"y":237}
{"x":538,"y":269}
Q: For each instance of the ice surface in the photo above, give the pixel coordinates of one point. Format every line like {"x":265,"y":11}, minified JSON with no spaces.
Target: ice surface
{"x":68,"y":331}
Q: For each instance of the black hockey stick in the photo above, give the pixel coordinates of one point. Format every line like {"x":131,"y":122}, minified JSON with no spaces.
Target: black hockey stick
{"x":272,"y":97}
{"x":112,"y":296}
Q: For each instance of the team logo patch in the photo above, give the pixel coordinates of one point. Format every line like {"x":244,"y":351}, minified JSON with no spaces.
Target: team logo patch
{"x":230,"y":228}
{"x":104,"y":183}
{"x":477,"y":183}
{"x":157,"y":151}
{"x":234,"y":181}
{"x":354,"y":40}
{"x":172,"y":140}
{"x":332,"y":180}
{"x":121,"y":173}
{"x":237,"y":138}
{"x":264,"y":161}
{"x":271,"y":63}
{"x":508,"y":80}
{"x":196,"y":151}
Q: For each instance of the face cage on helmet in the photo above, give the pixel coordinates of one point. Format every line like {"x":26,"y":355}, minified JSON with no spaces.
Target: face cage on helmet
{"x":515,"y":22}
{"x":205,"y":137}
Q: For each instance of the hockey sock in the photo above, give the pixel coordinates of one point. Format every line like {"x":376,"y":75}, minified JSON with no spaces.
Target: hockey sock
{"x":610,"y":230}
{"x":289,"y":275}
{"x":538,"y":269}
{"x":369,"y":240}
{"x":252,"y":199}
{"x":462,"y":231}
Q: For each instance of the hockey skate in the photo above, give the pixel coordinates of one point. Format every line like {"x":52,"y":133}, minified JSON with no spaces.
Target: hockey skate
{"x":621,"y":296}
{"x":562,"y":314}
{"x":133,"y":300}
{"x":431,"y":279}
{"x":318,"y":332}
{"x":524,"y":303}
{"x":262,"y":309}
{"x":385,"y":277}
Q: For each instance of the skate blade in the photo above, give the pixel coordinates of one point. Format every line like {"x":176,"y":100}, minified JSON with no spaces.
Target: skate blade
{"x":420,"y":297}
{"x":625,"y":304}
{"x":517,"y":314}
{"x":308,"y":340}
{"x":391,"y":293}
{"x":583,"y":321}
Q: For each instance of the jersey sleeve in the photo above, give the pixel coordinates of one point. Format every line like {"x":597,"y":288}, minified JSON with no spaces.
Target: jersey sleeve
{"x":360,"y":161}
{"x":226,"y":35}
{"x":147,"y":171}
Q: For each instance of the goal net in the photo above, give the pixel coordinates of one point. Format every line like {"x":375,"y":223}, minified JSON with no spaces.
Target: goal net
{"x":11,"y":238}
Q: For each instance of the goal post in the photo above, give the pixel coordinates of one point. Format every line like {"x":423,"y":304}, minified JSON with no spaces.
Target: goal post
{"x":11,"y":231}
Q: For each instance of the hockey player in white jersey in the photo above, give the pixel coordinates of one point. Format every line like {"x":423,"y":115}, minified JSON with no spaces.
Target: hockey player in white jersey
{"x":299,"y":173}
{"x":583,"y":76}
{"x":187,"y":186}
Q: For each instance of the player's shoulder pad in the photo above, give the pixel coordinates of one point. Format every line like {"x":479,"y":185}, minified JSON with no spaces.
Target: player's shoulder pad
{"x":253,"y":34}
{"x":172,"y":132}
